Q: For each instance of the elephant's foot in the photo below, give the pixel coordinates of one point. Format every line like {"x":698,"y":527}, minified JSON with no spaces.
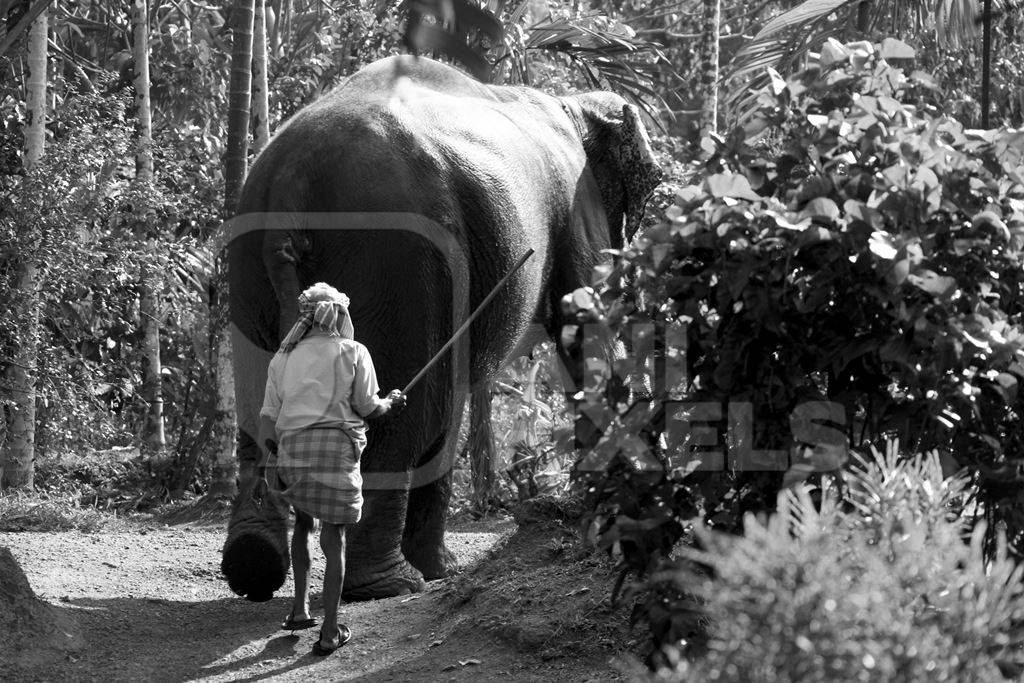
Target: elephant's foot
{"x":435,"y":561}
{"x":255,"y":558}
{"x":254,"y":566}
{"x":399,"y":578}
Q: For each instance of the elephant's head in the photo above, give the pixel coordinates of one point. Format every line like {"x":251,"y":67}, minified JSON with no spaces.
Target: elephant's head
{"x":619,"y":156}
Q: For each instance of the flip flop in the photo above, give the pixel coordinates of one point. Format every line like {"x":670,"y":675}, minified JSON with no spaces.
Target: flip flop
{"x":321,"y":651}
{"x":291,"y":624}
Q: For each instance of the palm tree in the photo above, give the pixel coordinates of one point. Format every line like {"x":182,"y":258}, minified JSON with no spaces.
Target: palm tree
{"x":709,"y":66}
{"x":18,"y":461}
{"x":235,"y":167}
{"x":149,"y":317}
{"x":239,"y":98}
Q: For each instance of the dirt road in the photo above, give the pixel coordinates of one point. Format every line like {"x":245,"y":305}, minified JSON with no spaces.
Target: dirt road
{"x":150,"y":604}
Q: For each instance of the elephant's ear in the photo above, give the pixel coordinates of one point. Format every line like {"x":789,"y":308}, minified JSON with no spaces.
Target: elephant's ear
{"x":640,"y":170}
{"x":620,"y":151}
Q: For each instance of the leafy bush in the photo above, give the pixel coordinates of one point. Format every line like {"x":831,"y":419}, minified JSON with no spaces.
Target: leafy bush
{"x":886,"y":592}
{"x":849,"y":249}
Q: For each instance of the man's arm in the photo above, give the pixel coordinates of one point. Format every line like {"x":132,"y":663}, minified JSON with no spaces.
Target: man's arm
{"x":364,"y":390}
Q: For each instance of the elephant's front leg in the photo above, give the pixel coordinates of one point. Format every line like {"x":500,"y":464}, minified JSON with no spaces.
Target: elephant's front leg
{"x":423,"y":541}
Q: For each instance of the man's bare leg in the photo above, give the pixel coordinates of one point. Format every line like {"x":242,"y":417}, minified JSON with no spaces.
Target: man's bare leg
{"x":300,"y":565}
{"x":332,"y":542}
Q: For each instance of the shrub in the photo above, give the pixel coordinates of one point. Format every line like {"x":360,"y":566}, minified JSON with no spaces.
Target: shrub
{"x":886,"y":592}
{"x":849,"y":249}
{"x":844,"y":247}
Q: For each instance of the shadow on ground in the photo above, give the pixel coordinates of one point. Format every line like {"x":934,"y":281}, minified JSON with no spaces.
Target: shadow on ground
{"x":154,"y":639}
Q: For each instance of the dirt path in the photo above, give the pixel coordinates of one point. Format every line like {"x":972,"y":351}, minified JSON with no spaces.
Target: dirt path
{"x":150,"y":604}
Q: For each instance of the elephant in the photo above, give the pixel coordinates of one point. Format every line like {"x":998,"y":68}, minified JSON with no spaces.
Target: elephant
{"x":414,"y":188}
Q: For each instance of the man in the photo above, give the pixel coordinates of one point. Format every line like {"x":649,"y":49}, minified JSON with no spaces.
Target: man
{"x":321,"y":386}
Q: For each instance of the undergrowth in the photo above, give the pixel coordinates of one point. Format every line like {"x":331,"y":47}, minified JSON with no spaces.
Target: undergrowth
{"x":89,"y":493}
{"x":39,"y":512}
{"x":875,"y":578}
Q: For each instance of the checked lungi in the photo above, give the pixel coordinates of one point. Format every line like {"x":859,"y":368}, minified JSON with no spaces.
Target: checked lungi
{"x":318,"y":473}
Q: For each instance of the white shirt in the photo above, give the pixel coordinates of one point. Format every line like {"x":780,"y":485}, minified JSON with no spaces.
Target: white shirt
{"x":324,"y":382}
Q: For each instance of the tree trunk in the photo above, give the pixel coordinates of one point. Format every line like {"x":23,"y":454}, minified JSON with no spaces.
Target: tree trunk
{"x":222,"y":437}
{"x":19,"y":453}
{"x":35,"y":96}
{"x":986,"y":63}
{"x":17,"y":466}
{"x":864,"y":16}
{"x":239,"y":97}
{"x":149,"y":319}
{"x":260,"y":88}
{"x":143,"y":111}
{"x":709,"y":67}
{"x":235,"y":162}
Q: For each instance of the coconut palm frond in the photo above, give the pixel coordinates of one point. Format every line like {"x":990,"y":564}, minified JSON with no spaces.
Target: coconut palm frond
{"x":788,"y":35}
{"x":511,"y":47}
{"x":780,"y":43}
{"x":955,"y":22}
{"x":811,"y":23}
{"x":607,"y":53}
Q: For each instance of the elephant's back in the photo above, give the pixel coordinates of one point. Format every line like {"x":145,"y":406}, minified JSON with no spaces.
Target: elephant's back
{"x":398,"y":134}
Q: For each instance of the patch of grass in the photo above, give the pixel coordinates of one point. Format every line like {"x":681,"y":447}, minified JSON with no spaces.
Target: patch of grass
{"x":36,"y":512}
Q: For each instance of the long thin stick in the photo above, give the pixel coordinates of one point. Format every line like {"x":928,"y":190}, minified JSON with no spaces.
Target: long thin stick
{"x":470,"y":319}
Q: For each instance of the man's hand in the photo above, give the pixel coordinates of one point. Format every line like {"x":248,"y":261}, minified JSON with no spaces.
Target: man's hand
{"x":398,"y":400}
{"x":390,"y":405}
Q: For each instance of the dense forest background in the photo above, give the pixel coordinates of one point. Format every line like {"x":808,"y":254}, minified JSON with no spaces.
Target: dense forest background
{"x":121,"y":255}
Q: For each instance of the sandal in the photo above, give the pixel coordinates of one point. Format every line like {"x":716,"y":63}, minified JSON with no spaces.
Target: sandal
{"x":321,"y":651}
{"x":292,"y":624}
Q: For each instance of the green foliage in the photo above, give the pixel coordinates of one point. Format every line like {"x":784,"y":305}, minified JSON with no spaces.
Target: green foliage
{"x":529,"y":422}
{"x":322,"y":48}
{"x":849,"y":248}
{"x":886,"y":591}
{"x":785,"y":40}
{"x":958,"y":72}
{"x":39,"y":512}
{"x":93,"y":231}
{"x":117,"y":479}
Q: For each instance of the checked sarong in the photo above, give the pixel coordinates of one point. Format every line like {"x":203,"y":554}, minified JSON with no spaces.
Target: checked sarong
{"x":317,"y":472}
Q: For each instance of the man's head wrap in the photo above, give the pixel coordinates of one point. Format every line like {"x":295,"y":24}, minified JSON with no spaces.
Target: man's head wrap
{"x":321,"y":306}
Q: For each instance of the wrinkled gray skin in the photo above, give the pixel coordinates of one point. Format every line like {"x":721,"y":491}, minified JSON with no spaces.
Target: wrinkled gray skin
{"x":498,"y":170}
